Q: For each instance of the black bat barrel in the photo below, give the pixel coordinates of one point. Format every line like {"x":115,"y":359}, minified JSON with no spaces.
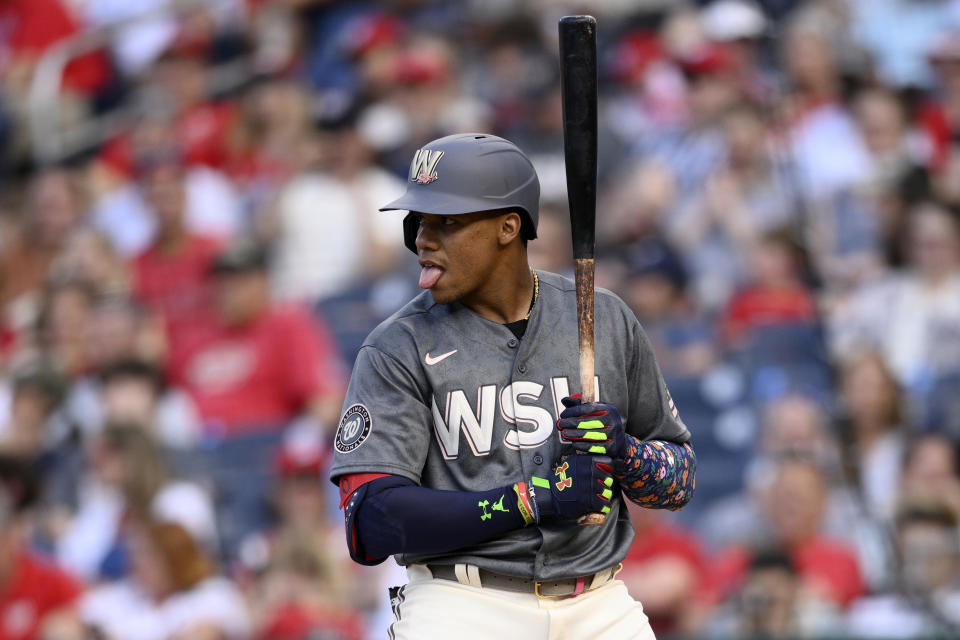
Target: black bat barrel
{"x":578,"y":77}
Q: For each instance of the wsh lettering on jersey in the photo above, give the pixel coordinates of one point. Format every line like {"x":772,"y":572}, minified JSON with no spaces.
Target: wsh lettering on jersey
{"x":519,"y":404}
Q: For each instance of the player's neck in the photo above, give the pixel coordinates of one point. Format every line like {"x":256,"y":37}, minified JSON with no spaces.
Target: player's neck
{"x":507,"y":294}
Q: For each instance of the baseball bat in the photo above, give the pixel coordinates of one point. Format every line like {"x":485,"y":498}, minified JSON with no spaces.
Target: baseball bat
{"x":578,"y":87}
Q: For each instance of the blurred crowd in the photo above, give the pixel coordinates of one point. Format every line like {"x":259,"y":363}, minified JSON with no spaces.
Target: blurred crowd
{"x":182,"y":296}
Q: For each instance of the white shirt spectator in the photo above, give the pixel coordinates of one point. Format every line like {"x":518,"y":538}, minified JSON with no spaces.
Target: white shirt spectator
{"x":893,"y":616}
{"x":94,"y":528}
{"x":899,"y":33}
{"x":327,"y":230}
{"x":880,"y":474}
{"x":829,"y":152}
{"x":213,"y":205}
{"x":915,"y":326}
{"x":150,"y":28}
{"x":213,"y":208}
{"x":123,"y":217}
{"x":123,"y":610}
{"x":146,"y":27}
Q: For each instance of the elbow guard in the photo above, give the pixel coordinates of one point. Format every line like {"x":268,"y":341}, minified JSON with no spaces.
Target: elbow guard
{"x":357,"y":505}
{"x":350,"y":509}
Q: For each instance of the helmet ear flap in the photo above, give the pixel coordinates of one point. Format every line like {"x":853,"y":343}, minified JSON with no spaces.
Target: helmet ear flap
{"x":411,"y":224}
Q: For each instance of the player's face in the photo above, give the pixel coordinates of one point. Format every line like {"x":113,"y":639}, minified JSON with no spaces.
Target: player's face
{"x":458,"y":253}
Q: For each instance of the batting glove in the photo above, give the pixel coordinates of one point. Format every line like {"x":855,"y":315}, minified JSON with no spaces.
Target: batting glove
{"x":593,"y":428}
{"x":577,"y":485}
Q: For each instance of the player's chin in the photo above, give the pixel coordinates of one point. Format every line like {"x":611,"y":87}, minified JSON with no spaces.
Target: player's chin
{"x":442,"y":294}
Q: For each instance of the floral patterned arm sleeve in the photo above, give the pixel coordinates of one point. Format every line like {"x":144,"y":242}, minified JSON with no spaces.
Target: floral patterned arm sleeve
{"x":657,"y":474}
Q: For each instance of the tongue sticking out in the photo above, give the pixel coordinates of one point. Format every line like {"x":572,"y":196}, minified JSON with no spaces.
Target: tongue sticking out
{"x":429,"y":276}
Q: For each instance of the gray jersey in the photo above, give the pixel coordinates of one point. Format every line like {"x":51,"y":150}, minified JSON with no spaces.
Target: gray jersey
{"x":452,"y":400}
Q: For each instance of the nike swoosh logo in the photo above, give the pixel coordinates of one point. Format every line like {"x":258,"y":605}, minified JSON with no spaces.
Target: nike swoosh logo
{"x":431,"y":361}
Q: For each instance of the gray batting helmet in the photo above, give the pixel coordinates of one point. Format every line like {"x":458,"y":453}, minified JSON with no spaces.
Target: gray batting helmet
{"x":466,"y":173}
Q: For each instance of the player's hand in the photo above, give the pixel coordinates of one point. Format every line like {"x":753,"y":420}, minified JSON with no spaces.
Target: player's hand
{"x":593,"y":428}
{"x":577,"y":485}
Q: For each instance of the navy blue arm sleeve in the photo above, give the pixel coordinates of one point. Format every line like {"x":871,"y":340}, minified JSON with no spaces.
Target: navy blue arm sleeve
{"x":394,"y":515}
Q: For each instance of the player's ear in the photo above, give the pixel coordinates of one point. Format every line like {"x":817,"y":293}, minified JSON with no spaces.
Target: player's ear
{"x":509,"y":227}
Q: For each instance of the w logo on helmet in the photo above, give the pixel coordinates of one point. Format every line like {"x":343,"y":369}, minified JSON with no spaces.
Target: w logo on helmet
{"x":423,"y":169}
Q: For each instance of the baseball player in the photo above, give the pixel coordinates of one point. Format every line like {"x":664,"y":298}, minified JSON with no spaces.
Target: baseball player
{"x":447,"y":455}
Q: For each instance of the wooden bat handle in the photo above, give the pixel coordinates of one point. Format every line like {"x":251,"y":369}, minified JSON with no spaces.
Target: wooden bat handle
{"x":583,"y":280}
{"x":588,"y":519}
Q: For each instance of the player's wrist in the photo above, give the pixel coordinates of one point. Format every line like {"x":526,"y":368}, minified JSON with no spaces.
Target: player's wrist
{"x":541,"y":497}
{"x":526,"y":503}
{"x":631,"y":459}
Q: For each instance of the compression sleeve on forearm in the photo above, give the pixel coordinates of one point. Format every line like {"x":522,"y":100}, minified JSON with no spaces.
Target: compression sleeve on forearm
{"x":657,"y":474}
{"x":397,"y":516}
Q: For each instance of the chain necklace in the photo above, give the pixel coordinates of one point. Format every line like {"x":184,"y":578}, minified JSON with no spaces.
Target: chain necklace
{"x":536,"y":293}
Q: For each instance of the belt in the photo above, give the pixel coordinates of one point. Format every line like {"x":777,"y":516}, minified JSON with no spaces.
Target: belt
{"x":469,"y":574}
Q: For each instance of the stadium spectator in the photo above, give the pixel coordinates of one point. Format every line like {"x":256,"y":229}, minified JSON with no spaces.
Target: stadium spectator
{"x":122,"y":329}
{"x":134,"y":392}
{"x":931,"y":469}
{"x":127,"y":483}
{"x":302,"y":586}
{"x":37,"y":430}
{"x":898,"y":39}
{"x":655,"y":288}
{"x":173,"y":276}
{"x":117,"y":330}
{"x":251,"y":369}
{"x":267,"y":143}
{"x":61,"y":327}
{"x":300,"y":503}
{"x":62,"y":339}
{"x":926,"y":602}
{"x":34,"y":27}
{"x":256,"y":365}
{"x":776,"y":294}
{"x":696,"y":148}
{"x":937,"y":115}
{"x":210,"y":203}
{"x":201,"y":126}
{"x":741,"y":25}
{"x":750,"y":193}
{"x":848,"y":230}
{"x":791,"y":426}
{"x":37,"y":598}
{"x":638,"y":204}
{"x":31,"y":428}
{"x":173,"y":592}
{"x":89,"y":256}
{"x":883,"y":122}
{"x":794,"y":509}
{"x":341,"y":176}
{"x":774,"y":602}
{"x":873,"y":431}
{"x":912,"y":315}
{"x":51,"y":212}
{"x":666,"y":569}
{"x":823,"y":139}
